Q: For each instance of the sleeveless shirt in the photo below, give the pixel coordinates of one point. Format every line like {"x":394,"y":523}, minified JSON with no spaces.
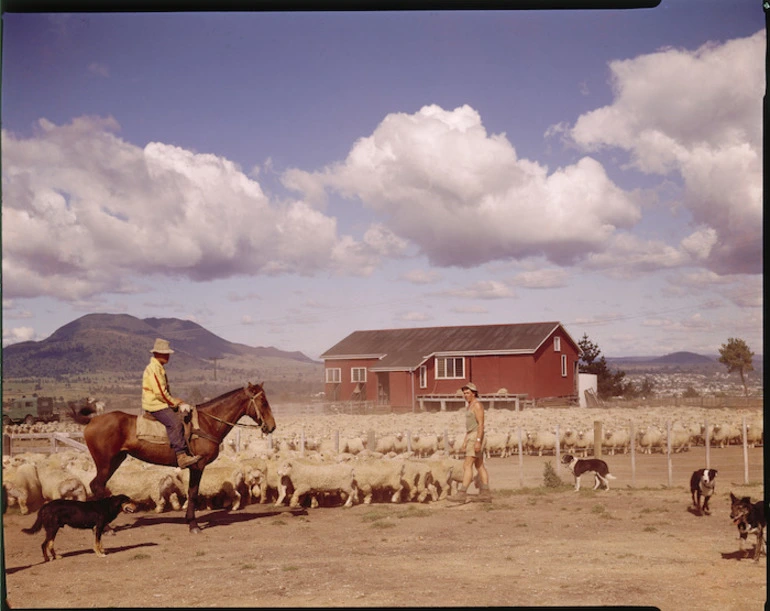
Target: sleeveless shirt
{"x":471,"y":424}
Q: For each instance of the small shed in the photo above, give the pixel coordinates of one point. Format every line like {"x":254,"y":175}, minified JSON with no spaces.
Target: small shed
{"x":425,"y":367}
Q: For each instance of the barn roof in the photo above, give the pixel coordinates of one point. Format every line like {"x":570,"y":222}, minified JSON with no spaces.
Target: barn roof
{"x":407,"y":349}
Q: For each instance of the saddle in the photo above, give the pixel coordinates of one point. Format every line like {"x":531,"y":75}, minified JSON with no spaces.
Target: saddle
{"x":152,"y":430}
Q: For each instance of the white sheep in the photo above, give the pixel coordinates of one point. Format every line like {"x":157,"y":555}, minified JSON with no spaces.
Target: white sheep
{"x":584,"y":443}
{"x":681,"y":438}
{"x":380,"y":476}
{"x":311,"y":477}
{"x":266,"y":482}
{"x":755,"y":432}
{"x":23,"y":487}
{"x":424,"y":444}
{"x":617,"y":440}
{"x":58,"y":483}
{"x":497,"y":444}
{"x":142,"y":483}
{"x":446,"y":472}
{"x":418,"y":481}
{"x":542,"y":441}
{"x":650,"y":439}
{"x":222,"y":485}
{"x":726,"y":434}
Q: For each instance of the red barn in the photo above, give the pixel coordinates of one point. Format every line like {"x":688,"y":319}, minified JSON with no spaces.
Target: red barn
{"x":413,"y":368}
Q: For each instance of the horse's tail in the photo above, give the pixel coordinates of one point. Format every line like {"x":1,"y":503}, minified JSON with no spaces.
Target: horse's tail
{"x":82,"y":415}
{"x":36,"y":526}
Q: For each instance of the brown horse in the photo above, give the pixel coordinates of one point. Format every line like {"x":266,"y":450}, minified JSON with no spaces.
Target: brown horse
{"x":111,"y":437}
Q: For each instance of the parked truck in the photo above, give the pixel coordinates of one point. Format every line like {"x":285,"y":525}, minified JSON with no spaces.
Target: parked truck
{"x":30,"y":410}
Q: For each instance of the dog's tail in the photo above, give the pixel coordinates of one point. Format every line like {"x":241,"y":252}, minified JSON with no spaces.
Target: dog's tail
{"x":35,"y":527}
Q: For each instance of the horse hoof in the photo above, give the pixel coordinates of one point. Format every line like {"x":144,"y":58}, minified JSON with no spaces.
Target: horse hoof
{"x":195,"y":529}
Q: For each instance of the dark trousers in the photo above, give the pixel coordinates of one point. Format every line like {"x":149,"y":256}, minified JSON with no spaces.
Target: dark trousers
{"x":174,"y":427}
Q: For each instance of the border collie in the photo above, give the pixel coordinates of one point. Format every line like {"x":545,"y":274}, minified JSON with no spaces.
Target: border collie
{"x":579,"y":466}
{"x":702,"y":485}
{"x":750,"y":519}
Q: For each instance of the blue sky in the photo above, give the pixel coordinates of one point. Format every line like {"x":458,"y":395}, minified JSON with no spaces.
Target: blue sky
{"x":284,"y":179}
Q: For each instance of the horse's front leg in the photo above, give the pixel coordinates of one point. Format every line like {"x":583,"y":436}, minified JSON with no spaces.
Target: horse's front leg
{"x":192,"y":499}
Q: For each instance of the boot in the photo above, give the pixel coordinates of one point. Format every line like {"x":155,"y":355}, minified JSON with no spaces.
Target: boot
{"x":185,"y":460}
{"x":460,"y":497}
{"x":484,"y":494}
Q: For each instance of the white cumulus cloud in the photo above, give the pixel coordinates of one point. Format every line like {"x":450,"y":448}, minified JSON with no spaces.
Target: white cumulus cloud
{"x":85,"y":212}
{"x":697,"y":114}
{"x":464,"y":197}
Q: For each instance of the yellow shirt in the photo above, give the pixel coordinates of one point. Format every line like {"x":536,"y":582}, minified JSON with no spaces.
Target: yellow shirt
{"x":155,"y":392}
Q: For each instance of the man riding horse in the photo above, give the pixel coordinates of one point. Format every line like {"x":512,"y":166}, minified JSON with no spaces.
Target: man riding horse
{"x":158,"y":401}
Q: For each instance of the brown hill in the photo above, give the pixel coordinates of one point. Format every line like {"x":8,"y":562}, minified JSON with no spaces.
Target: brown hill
{"x":120,"y":343}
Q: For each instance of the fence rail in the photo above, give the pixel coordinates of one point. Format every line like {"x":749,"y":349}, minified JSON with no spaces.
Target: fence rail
{"x":41,"y":443}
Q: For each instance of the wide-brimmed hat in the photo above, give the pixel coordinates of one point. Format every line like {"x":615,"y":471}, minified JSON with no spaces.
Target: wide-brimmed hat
{"x":161,"y":347}
{"x":470,"y":386}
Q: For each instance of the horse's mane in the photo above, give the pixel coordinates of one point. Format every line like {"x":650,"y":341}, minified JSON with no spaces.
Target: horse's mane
{"x":220,"y":398}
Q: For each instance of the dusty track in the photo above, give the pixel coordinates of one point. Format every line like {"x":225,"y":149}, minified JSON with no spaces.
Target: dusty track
{"x":530,"y":547}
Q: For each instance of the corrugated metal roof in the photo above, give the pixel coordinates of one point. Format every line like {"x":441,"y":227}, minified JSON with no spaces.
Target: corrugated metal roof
{"x":406,"y":349}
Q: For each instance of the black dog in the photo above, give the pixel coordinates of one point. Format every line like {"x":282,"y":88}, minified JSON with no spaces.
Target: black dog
{"x":750,"y":519}
{"x":598,"y":467}
{"x":78,"y":514}
{"x":702,"y":485}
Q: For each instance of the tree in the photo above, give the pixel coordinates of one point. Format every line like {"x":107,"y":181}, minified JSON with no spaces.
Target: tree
{"x":608,"y":383}
{"x":736,"y":356}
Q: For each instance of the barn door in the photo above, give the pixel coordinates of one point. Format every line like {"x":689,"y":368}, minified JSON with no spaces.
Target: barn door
{"x":383,"y":389}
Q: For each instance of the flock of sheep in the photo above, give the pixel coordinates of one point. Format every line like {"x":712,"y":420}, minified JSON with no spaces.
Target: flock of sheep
{"x":344,"y":460}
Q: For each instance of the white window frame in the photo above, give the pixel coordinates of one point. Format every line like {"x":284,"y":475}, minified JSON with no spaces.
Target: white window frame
{"x":333,"y":375}
{"x":563,"y":365}
{"x":443,"y":369}
{"x":360,"y":378}
{"x":423,"y":376}
{"x":557,"y":344}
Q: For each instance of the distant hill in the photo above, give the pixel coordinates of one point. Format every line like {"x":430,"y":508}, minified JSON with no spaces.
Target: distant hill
{"x":684,"y":361}
{"x":122,"y":343}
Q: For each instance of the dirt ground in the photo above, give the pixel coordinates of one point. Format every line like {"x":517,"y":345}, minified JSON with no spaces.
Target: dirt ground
{"x":637,"y":545}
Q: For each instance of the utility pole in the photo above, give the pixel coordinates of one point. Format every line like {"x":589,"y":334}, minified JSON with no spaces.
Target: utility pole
{"x":215,"y":359}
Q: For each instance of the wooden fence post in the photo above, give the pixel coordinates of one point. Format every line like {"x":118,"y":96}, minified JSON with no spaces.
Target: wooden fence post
{"x":668,"y":451}
{"x":558,"y":448}
{"x":597,"y":438}
{"x":707,"y":439}
{"x":521,"y":462}
{"x":745,"y":454}
{"x":371,"y":441}
{"x":633,"y":454}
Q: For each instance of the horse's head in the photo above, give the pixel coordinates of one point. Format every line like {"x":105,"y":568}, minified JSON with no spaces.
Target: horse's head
{"x":259,"y":407}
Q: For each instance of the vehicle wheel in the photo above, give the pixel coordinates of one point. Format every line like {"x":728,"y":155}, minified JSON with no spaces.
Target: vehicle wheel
{"x":30,"y":419}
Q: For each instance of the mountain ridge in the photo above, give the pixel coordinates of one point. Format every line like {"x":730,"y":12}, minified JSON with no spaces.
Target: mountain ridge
{"x":121,"y":342}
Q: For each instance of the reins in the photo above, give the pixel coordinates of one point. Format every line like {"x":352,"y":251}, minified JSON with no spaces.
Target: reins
{"x":252,"y":399}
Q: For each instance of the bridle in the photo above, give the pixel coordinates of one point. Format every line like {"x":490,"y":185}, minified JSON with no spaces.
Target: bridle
{"x":252,"y":401}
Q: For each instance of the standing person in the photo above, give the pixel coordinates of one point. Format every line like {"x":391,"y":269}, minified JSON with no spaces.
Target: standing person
{"x":157,"y":399}
{"x":473,"y":447}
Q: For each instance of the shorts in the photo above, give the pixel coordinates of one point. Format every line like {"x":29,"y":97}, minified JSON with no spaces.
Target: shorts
{"x":470,"y":446}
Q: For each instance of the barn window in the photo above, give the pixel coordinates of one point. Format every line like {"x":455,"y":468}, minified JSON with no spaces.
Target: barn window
{"x":450,"y":368}
{"x":423,"y":376}
{"x":557,"y":344}
{"x":333,"y":375}
{"x":358,"y":374}
{"x":563,"y":365}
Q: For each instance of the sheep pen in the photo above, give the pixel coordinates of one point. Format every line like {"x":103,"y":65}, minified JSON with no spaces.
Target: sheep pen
{"x":532,"y":546}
